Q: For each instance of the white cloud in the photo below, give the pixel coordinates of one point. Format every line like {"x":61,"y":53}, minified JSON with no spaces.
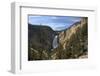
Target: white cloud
{"x":54,"y":17}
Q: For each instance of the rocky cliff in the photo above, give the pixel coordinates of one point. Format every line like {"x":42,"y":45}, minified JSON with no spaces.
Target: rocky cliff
{"x":73,"y":42}
{"x":40,"y":38}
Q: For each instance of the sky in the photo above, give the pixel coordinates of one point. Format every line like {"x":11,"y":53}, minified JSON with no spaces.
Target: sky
{"x":55,"y":22}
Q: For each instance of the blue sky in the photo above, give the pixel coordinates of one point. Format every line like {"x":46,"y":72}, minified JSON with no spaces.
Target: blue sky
{"x":55,"y":22}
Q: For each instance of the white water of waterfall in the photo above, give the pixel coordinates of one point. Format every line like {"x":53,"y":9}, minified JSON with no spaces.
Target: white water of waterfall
{"x":55,"y":42}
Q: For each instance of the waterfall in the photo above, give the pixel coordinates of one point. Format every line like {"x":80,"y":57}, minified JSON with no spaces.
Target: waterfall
{"x":55,"y":42}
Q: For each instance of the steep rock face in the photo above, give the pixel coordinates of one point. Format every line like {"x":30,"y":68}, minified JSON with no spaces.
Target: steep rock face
{"x":39,"y":41}
{"x":64,"y":36}
{"x":40,"y":36}
{"x":74,"y":40}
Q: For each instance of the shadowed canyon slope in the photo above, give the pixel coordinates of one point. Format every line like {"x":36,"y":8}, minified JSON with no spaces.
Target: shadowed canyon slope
{"x":73,"y":42}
